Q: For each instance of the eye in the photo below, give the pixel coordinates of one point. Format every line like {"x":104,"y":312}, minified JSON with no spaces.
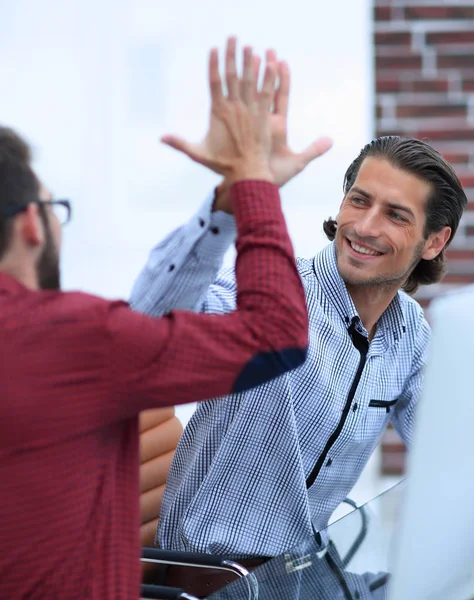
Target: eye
{"x":397,"y":217}
{"x":358,"y":201}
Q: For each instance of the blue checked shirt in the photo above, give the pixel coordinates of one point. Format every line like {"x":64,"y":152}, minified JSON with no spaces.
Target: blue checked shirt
{"x":255,"y":472}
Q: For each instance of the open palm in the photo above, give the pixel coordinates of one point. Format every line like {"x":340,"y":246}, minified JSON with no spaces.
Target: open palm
{"x":239,"y":128}
{"x":284,"y":163}
{"x":218,"y":149}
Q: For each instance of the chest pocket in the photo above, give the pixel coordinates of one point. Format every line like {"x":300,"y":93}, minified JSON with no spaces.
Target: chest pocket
{"x":387,"y":404}
{"x":376,"y":418}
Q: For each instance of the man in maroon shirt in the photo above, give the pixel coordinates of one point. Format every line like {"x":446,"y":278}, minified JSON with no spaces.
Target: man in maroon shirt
{"x":76,"y":370}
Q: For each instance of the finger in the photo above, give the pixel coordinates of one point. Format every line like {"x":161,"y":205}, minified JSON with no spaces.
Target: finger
{"x":248,"y":86}
{"x":231,"y":69}
{"x":215,"y":83}
{"x":270,"y":56}
{"x":256,"y":62}
{"x":191,"y":150}
{"x":268,"y":87}
{"x":196,"y":152}
{"x":282,"y":96}
{"x":317,"y":148}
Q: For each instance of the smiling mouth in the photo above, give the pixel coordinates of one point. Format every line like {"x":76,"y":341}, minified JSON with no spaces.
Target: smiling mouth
{"x":363,"y":250}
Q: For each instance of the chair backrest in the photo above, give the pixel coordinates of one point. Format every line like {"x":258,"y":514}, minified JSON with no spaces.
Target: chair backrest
{"x":160,"y":431}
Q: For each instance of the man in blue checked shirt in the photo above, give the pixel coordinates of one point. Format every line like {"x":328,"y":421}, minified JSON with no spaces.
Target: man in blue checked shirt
{"x":259,"y":472}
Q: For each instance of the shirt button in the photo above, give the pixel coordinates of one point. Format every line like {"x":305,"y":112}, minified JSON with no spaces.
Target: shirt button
{"x":355,"y":407}
{"x":215,"y":230}
{"x":202,"y":222}
{"x":329,"y":463}
{"x":171,"y":268}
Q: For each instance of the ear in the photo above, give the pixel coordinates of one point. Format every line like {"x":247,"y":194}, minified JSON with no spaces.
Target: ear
{"x":30,"y":226}
{"x":436,"y":243}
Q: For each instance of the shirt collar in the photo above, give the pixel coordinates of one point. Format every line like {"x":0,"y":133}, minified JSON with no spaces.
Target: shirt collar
{"x":391,"y":323}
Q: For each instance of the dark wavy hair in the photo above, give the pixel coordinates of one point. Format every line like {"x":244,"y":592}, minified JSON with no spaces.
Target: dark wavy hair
{"x":445,"y":204}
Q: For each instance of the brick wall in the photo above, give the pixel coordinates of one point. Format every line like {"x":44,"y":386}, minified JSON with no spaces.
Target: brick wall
{"x":424,"y":87}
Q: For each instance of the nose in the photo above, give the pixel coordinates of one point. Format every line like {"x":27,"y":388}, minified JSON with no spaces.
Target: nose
{"x":369,"y":224}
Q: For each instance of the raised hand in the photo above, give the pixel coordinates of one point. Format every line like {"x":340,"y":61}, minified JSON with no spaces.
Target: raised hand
{"x":284,"y":163}
{"x":239,"y":142}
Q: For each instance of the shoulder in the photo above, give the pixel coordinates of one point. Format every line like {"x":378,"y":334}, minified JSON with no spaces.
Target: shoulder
{"x":57,"y":307}
{"x":416,"y":325}
{"x":305,"y":267}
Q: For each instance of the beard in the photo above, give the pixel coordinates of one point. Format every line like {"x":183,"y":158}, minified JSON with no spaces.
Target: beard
{"x":386,"y":280}
{"x":47,"y":268}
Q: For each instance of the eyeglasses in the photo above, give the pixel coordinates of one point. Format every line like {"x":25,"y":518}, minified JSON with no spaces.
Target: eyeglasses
{"x":61,"y":209}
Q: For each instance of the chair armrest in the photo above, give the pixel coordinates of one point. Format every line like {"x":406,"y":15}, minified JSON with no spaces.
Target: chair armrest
{"x":193,"y":559}
{"x":361,"y":535}
{"x":149,"y":592}
{"x":188,"y":558}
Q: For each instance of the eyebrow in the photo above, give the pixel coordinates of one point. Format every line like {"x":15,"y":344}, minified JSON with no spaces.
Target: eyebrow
{"x":392,"y":205}
{"x":361,"y":192}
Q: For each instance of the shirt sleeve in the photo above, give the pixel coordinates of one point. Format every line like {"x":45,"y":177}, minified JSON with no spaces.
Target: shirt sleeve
{"x":404,"y":414}
{"x":181,"y":268}
{"x":185,"y":357}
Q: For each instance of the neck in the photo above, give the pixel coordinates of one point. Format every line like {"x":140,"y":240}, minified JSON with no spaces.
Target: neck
{"x":23,"y":273}
{"x":371,"y":302}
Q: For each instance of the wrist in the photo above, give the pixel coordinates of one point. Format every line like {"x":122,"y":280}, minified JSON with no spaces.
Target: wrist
{"x":222,"y":198}
{"x":246,"y":171}
{"x":251,"y":170}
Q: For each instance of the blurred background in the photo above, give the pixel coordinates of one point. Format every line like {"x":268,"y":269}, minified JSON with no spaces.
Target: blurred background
{"x":93,"y":85}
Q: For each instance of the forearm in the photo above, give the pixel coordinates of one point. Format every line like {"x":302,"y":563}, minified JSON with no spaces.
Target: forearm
{"x":270,"y":294}
{"x":189,"y":357}
{"x":180,"y":269}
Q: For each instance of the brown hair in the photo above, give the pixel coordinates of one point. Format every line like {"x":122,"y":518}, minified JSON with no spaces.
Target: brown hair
{"x":18,"y":183}
{"x":446,"y":202}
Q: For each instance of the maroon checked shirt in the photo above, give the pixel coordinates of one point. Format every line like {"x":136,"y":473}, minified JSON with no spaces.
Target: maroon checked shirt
{"x":76,"y":370}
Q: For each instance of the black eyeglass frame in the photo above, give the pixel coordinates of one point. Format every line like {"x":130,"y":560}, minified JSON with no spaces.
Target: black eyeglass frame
{"x":12,"y":211}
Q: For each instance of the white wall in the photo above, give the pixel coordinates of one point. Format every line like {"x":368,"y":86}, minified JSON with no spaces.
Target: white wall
{"x":95,"y":84}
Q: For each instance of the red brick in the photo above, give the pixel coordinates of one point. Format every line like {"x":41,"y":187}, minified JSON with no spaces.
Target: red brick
{"x":459,"y":279}
{"x":391,"y":440}
{"x":430,"y":110}
{"x":430,"y":85}
{"x":386,"y":132}
{"x":388,"y":86}
{"x":393,"y":463}
{"x":455,"y":61}
{"x":423,"y":302}
{"x":468,"y":85}
{"x":410,"y":61}
{"x":451,"y":37}
{"x":467,"y":181}
{"x":382,"y":13}
{"x":439,"y":12}
{"x":460,"y":255}
{"x":456,"y":158}
{"x":446,"y":134}
{"x":395,"y":38}
{"x":378,"y":111}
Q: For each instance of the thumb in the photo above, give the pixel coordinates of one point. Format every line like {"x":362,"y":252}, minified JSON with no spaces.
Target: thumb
{"x":317,"y":148}
{"x":192,"y":150}
{"x":177,"y":143}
